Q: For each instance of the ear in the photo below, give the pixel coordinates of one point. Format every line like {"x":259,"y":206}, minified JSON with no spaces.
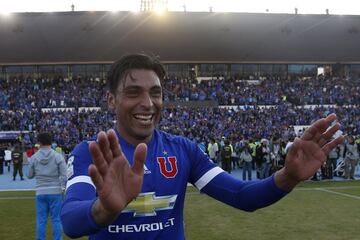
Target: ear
{"x":110,"y":100}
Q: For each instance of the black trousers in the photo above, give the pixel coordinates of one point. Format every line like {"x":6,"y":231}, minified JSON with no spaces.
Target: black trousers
{"x":18,"y":168}
{"x":226,"y":164}
{"x":1,"y":166}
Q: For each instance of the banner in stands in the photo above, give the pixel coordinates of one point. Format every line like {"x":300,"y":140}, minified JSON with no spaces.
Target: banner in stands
{"x":9,"y":136}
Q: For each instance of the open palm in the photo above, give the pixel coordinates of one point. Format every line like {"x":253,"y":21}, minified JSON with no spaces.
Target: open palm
{"x":117,"y":183}
{"x":309,"y":152}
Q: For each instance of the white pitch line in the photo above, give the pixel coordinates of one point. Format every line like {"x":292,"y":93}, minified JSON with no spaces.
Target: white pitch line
{"x":334,"y":188}
{"x":337,"y":193}
{"x":16,"y":198}
{"x":327,"y":189}
{"x":17,"y":190}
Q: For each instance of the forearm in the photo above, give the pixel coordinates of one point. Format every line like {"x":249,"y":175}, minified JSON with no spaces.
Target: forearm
{"x":247,"y":196}
{"x":77,"y":220}
{"x":76,"y":212}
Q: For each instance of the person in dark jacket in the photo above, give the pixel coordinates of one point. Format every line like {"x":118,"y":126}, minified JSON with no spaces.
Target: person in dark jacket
{"x":2,"y":158}
{"x":226,"y":152}
{"x":17,"y":158}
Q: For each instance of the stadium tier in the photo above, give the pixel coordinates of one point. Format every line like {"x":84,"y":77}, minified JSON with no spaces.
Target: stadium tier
{"x":247,"y":76}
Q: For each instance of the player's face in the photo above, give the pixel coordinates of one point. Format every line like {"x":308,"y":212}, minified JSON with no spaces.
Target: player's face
{"x":137,"y":104}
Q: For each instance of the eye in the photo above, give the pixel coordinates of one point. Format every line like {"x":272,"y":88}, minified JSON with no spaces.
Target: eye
{"x":156,"y":93}
{"x":131,"y":93}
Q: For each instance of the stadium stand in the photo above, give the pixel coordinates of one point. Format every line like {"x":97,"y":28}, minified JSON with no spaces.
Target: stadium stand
{"x":265,"y":84}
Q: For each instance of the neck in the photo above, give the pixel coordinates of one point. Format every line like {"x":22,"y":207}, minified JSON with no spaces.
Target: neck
{"x":132,"y":140}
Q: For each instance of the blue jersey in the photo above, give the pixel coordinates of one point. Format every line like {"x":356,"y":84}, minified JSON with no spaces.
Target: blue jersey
{"x":157,"y":213}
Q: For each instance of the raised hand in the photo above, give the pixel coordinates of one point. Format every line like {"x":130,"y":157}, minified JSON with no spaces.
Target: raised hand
{"x":117,"y":183}
{"x":309,"y":152}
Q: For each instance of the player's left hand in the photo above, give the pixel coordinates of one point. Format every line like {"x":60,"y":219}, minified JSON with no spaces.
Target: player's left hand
{"x":309,"y":152}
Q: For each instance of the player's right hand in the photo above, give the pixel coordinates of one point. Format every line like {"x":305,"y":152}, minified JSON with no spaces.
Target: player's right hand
{"x":117,"y":183}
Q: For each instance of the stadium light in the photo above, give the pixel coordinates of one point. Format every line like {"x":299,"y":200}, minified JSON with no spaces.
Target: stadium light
{"x":135,"y":11}
{"x":347,"y":7}
{"x":159,"y":9}
{"x":5,"y":13}
{"x":5,"y":10}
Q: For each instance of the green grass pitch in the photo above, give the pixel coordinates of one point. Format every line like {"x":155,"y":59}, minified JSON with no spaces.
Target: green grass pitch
{"x":319,"y":210}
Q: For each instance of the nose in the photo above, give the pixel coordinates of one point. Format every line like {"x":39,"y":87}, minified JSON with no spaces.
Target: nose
{"x":146,"y":100}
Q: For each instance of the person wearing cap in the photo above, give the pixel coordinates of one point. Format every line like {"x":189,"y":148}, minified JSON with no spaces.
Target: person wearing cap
{"x":36,"y":148}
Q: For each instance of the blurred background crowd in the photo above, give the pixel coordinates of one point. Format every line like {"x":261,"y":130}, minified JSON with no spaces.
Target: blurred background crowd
{"x":235,"y":112}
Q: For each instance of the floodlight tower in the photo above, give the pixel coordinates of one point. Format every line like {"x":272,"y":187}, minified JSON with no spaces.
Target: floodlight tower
{"x":151,"y":5}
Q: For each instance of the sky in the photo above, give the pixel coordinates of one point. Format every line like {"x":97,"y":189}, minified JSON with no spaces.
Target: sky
{"x":348,"y":7}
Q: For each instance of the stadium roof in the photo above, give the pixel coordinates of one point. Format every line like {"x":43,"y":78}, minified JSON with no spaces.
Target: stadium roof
{"x":75,"y":37}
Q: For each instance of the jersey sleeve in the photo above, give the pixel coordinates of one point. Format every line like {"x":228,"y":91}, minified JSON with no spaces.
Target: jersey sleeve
{"x":202,"y":169}
{"x":245,"y":195}
{"x":80,"y":195}
{"x":215,"y":182}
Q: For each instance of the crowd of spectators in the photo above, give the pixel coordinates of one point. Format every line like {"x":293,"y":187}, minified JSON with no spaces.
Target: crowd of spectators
{"x":67,"y":126}
{"x":339,"y":91}
{"x":199,"y":124}
{"x":57,"y":92}
{"x":252,"y":122}
{"x":28,"y":93}
{"x":22,"y":101}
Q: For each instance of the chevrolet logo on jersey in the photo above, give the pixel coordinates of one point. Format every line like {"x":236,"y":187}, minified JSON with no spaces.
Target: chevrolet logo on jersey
{"x":147,"y":204}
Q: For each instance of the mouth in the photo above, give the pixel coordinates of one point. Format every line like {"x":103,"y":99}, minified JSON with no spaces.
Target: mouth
{"x":144,"y":119}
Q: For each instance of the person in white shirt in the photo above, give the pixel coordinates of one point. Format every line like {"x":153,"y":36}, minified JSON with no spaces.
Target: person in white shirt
{"x":213,"y":150}
{"x":246,"y":159}
{"x":8,"y":158}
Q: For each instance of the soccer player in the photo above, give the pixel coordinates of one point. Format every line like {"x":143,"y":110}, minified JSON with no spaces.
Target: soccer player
{"x":130,"y":182}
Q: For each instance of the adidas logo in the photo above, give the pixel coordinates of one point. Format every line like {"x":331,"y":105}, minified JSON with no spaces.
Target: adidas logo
{"x":146,"y":170}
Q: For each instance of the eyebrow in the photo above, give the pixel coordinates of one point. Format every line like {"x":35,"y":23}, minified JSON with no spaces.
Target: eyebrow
{"x":138,"y":87}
